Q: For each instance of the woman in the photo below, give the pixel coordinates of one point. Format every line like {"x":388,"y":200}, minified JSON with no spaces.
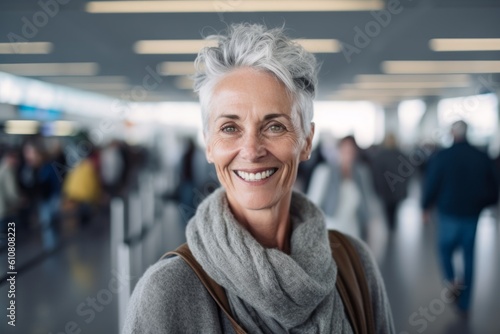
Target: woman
{"x":341,"y":188}
{"x":266,"y":245}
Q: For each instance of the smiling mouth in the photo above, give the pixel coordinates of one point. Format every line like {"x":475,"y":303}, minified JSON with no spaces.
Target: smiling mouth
{"x":254,"y":177}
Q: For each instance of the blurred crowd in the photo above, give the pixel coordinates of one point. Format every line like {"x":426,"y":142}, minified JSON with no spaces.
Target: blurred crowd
{"x":50,"y":186}
{"x":347,"y":181}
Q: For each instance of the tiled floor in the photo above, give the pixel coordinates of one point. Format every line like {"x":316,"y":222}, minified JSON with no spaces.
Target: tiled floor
{"x":76,"y":286}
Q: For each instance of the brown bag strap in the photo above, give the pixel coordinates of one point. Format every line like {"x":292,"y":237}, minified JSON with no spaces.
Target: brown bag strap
{"x":215,"y":290}
{"x":351,"y":284}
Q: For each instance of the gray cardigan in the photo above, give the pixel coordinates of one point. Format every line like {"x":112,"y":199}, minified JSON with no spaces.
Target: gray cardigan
{"x":169,"y":298}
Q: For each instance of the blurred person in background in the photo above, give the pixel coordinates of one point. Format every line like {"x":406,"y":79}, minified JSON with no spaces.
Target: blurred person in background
{"x":264,"y":244}
{"x":198,"y":179}
{"x":186,"y":186}
{"x":390,"y":186}
{"x":43,"y":183}
{"x":82,"y":187}
{"x":460,"y":181}
{"x":341,"y":188}
{"x":55,"y":150}
{"x":9,"y":192}
{"x":26,"y":179}
{"x":112,"y":168}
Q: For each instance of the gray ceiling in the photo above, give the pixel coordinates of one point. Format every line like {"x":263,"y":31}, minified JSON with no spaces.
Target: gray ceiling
{"x":108,"y":38}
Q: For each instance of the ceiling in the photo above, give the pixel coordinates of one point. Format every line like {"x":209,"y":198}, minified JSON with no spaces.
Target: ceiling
{"x":108,"y":39}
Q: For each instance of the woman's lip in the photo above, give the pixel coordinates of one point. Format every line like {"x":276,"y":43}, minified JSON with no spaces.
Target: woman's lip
{"x":257,"y":170}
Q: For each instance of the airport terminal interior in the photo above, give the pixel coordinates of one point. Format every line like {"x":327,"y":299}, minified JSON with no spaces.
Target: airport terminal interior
{"x":102,"y":150}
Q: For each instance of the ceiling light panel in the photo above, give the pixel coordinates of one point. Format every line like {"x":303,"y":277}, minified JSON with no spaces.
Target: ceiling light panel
{"x":320,"y":45}
{"x":406,"y":85}
{"x":172,"y":46}
{"x":184,"y":82}
{"x":64,"y":128}
{"x":50,"y":69}
{"x":238,"y":6}
{"x":26,"y":48}
{"x":21,"y":127}
{"x":426,"y":66}
{"x":412,"y":77}
{"x":176,"y":68}
{"x":100,"y":86}
{"x":465,"y":44}
{"x":64,"y":80}
{"x":193,"y":46}
{"x":383,"y":92}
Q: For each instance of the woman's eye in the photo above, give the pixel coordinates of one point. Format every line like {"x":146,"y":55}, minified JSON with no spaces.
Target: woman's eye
{"x":229,"y":129}
{"x":277,"y":128}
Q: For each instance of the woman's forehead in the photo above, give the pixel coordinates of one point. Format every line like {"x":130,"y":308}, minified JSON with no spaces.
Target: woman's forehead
{"x":243,"y":75}
{"x":249,"y":87}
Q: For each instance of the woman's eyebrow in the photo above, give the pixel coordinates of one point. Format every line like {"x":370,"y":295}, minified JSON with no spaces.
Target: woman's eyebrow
{"x":230,"y":116}
{"x":266,"y":118}
{"x":271,"y":116}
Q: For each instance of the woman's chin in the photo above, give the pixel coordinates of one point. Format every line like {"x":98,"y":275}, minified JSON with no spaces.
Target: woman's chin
{"x":256,"y":200}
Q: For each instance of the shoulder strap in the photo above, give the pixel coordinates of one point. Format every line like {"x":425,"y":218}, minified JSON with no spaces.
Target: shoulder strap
{"x":351,"y":284}
{"x":215,"y":290}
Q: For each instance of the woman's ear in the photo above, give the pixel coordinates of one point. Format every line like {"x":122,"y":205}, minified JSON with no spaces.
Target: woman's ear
{"x":306,"y":150}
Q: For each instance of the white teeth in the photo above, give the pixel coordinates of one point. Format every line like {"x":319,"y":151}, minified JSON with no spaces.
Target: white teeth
{"x":255,"y":176}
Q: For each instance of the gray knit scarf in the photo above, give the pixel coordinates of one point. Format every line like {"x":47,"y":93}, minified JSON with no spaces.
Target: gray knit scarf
{"x":268,"y":290}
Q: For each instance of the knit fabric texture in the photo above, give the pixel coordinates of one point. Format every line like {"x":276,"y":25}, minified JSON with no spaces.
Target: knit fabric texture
{"x":269,"y":291}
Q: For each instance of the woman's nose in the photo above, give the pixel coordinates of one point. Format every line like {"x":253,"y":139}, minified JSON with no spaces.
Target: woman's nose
{"x":253,"y":147}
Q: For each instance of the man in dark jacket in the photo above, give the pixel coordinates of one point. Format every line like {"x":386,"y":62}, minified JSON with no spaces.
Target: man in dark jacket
{"x":390,"y":186}
{"x":461,"y":182}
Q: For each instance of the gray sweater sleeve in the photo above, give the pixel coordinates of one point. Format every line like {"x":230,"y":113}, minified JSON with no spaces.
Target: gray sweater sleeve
{"x":169,"y":298}
{"x":381,"y":307}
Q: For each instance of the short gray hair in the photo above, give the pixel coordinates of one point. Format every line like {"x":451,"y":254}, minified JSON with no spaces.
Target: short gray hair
{"x":270,"y":50}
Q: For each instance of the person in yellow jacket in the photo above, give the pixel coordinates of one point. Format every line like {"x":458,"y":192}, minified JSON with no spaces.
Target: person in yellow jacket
{"x":82,"y":185}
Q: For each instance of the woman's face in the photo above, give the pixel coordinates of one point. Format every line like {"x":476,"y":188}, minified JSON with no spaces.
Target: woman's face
{"x":32,"y":156}
{"x":348,"y":153}
{"x":253,"y":140}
